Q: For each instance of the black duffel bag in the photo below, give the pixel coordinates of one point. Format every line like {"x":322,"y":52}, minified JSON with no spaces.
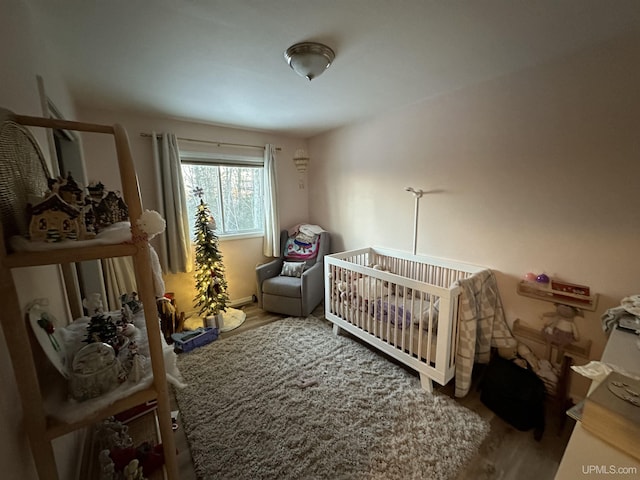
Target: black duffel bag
{"x":515,"y":394}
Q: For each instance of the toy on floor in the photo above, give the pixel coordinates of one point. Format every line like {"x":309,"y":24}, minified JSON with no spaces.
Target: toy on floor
{"x":187,"y":341}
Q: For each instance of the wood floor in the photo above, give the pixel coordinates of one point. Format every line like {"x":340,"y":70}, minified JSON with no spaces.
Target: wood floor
{"x":506,"y":454}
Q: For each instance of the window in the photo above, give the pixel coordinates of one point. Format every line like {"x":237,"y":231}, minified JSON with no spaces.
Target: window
{"x":232,"y":188}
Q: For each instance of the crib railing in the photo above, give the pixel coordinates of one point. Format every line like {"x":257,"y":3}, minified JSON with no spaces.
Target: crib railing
{"x":398,"y":302}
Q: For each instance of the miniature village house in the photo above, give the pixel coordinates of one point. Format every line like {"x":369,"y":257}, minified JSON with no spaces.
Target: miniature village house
{"x":53,"y":219}
{"x":110,"y":210}
{"x":68,"y":190}
{"x":66,"y":213}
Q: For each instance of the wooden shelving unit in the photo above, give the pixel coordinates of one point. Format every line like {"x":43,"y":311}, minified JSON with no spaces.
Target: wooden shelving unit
{"x":586,"y":302}
{"x":41,"y":429}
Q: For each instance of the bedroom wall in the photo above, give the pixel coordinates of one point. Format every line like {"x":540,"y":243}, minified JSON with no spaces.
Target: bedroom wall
{"x":240,"y":256}
{"x":23,"y":56}
{"x":534,"y":171}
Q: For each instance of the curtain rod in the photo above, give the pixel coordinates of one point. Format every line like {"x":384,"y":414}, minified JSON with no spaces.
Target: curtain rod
{"x":211,"y":142}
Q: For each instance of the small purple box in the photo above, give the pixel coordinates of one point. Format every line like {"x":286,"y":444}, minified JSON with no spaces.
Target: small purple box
{"x":187,"y":341}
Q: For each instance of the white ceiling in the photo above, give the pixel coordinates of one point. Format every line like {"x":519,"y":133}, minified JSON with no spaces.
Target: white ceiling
{"x":221,"y":61}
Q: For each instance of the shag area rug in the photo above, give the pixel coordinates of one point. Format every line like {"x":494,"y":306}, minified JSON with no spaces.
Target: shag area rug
{"x":290,"y":400}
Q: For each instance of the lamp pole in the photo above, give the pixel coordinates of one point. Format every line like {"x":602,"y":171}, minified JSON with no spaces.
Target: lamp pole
{"x":417,"y":195}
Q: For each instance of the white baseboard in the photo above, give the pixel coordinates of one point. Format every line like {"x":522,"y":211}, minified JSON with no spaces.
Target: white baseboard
{"x":240,"y":302}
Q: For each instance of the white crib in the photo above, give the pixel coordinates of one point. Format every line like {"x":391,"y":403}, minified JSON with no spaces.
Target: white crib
{"x":405,"y":305}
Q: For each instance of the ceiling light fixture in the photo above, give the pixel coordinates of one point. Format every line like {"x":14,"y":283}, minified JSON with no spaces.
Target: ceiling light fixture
{"x":309,"y":59}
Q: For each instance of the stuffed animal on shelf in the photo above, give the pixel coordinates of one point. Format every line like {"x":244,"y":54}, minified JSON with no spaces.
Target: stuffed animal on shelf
{"x":560,"y":328}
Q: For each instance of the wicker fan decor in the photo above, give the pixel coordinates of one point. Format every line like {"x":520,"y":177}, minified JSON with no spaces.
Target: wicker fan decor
{"x":23,"y":176}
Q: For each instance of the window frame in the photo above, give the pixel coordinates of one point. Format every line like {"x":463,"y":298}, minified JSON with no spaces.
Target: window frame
{"x":225,"y":160}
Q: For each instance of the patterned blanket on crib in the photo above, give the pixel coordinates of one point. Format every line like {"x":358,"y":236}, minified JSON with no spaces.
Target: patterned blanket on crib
{"x":404,"y":312}
{"x":482,"y":325}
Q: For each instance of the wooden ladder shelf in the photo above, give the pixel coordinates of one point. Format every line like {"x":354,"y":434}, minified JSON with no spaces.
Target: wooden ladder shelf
{"x":40,"y":428}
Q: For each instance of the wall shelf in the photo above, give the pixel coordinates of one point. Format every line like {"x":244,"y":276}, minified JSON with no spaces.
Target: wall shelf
{"x":546,"y":293}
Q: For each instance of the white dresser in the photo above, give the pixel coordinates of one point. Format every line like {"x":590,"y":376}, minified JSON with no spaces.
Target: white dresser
{"x":586,"y":456}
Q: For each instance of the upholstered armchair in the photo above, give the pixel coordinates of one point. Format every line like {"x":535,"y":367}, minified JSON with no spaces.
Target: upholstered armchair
{"x":292,"y":295}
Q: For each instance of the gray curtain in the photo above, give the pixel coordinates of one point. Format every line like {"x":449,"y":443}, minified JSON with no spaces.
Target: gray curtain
{"x":174,"y":244}
{"x":271,"y":242}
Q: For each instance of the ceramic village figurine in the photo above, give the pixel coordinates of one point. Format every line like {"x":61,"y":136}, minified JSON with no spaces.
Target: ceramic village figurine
{"x":132,"y":301}
{"x":93,"y":304}
{"x":133,"y":471}
{"x":107,"y":468}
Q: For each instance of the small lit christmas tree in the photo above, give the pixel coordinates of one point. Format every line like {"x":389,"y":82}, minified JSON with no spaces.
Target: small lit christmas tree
{"x":212,"y":295}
